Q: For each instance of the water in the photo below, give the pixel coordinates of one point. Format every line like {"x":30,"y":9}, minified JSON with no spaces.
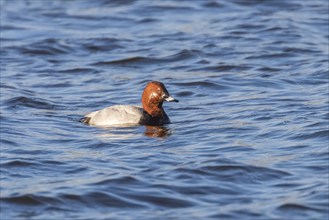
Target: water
{"x":248,"y":139}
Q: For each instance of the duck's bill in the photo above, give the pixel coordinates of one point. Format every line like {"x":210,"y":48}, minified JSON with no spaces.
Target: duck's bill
{"x":171,"y":99}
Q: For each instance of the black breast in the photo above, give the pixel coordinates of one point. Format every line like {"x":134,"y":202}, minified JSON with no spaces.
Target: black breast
{"x":147,"y":119}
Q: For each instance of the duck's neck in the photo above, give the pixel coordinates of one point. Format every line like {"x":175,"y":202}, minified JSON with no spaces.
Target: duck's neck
{"x":155,"y":110}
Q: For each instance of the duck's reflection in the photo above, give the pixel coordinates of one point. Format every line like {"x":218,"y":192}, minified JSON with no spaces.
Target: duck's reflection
{"x":157,"y":131}
{"x":131,"y":132}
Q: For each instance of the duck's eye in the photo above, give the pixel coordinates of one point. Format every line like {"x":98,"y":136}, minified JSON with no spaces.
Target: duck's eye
{"x":164,"y":95}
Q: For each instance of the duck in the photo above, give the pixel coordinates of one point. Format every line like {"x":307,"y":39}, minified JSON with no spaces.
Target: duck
{"x":151,"y":112}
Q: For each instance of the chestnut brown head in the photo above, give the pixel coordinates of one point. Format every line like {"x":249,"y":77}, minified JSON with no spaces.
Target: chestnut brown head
{"x":155,"y":93}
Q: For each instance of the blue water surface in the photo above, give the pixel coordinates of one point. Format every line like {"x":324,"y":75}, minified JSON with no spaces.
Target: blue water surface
{"x":248,"y":139}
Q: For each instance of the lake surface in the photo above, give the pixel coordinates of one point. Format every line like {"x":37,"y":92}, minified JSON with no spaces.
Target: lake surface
{"x":248,"y":139}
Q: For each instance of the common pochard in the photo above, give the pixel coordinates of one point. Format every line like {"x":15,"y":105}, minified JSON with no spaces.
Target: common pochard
{"x":152,"y":112}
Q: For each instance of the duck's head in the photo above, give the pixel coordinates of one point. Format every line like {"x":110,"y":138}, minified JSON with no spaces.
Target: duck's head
{"x":155,"y":93}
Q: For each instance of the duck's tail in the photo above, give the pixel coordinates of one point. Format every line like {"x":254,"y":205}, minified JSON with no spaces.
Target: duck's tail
{"x":85,"y":120}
